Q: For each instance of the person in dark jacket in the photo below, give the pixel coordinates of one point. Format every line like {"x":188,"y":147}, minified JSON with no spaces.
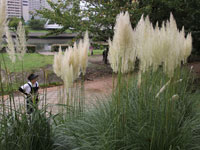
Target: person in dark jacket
{"x":30,"y":89}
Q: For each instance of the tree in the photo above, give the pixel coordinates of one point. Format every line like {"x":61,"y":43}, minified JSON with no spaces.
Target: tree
{"x":13,"y":23}
{"x":36,"y":24}
{"x":100,"y":16}
{"x":64,"y":14}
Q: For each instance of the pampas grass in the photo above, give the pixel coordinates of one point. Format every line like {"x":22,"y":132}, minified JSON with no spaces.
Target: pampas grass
{"x":122,"y":53}
{"x":153,"y":46}
{"x":73,"y":62}
{"x":21,"y":41}
{"x":83,"y":48}
{"x":2,"y":20}
{"x":57,"y":62}
{"x":11,"y":47}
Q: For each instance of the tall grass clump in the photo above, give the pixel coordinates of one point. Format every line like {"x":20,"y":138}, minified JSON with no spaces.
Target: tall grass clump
{"x":156,"y":110}
{"x":170,"y":121}
{"x":18,"y":130}
{"x":69,"y":66}
{"x":122,"y":53}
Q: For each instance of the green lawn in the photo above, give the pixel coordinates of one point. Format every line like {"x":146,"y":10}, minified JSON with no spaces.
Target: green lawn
{"x":46,"y":31}
{"x":96,"y":52}
{"x":38,"y":31}
{"x":31,"y":61}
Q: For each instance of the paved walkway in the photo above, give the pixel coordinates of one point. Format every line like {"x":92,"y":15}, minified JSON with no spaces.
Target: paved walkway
{"x":97,"y":89}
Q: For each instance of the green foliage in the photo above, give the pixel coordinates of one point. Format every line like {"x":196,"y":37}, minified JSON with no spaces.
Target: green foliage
{"x":36,"y":24}
{"x":31,"y":48}
{"x":63,"y":14}
{"x":13,"y":23}
{"x":102,"y":16}
{"x":99,"y":17}
{"x":96,"y":52}
{"x":135,"y":119}
{"x":32,"y":61}
{"x":21,"y":131}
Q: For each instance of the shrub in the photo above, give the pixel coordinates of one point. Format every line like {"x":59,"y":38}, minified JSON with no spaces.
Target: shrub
{"x":55,"y":47}
{"x":31,"y":48}
{"x":36,"y":24}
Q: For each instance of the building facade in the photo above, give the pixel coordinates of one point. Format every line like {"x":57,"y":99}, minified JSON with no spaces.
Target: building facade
{"x":14,"y":8}
{"x":33,"y":6}
{"x":25,"y":10}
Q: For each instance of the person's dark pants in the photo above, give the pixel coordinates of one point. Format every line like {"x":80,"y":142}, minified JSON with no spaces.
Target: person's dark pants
{"x":29,"y":104}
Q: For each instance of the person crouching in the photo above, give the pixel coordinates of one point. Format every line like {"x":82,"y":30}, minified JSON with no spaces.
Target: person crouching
{"x":30,"y":89}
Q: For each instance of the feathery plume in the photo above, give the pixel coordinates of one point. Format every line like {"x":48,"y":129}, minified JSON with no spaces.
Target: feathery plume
{"x":122,"y":53}
{"x":21,"y":41}
{"x":57,"y":62}
{"x":75,"y":58}
{"x":67,"y":68}
{"x":2,"y":20}
{"x":165,"y":46}
{"x":84,"y":48}
{"x":163,"y":88}
{"x":175,"y":97}
{"x":10,"y":46}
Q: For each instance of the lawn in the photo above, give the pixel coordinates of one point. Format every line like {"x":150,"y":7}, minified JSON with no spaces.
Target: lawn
{"x":46,"y":31}
{"x":31,"y":61}
{"x":96,"y":52}
{"x":38,"y":31}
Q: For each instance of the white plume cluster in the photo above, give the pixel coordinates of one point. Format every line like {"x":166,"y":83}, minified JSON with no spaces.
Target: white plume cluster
{"x":165,"y":46}
{"x":10,"y":47}
{"x":2,"y":20}
{"x":122,"y":52}
{"x":21,"y":41}
{"x":69,"y":65}
{"x":19,"y":47}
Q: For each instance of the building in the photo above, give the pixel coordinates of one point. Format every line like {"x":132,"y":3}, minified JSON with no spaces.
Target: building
{"x":37,"y":5}
{"x":14,"y":8}
{"x":44,"y":3}
{"x":25,"y":10}
{"x":33,"y":6}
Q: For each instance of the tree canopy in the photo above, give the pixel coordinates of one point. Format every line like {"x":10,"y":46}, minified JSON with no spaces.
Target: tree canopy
{"x":98,"y":16}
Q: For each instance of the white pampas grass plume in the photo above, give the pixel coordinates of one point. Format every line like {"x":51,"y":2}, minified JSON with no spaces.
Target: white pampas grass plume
{"x":57,"y":62}
{"x":76,"y":61}
{"x":163,"y":88}
{"x":75,"y":58}
{"x":67,"y":69}
{"x":84,"y":48}
{"x":122,"y":53}
{"x":178,"y":81}
{"x":145,"y":43}
{"x":175,"y":97}
{"x":10,"y":46}
{"x":166,"y":46}
{"x":21,"y":41}
{"x":2,"y":20}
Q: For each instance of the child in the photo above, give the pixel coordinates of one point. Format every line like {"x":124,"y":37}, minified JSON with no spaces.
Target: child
{"x":30,"y":89}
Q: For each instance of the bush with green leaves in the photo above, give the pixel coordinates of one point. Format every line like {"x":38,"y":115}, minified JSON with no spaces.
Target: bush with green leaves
{"x":36,"y":24}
